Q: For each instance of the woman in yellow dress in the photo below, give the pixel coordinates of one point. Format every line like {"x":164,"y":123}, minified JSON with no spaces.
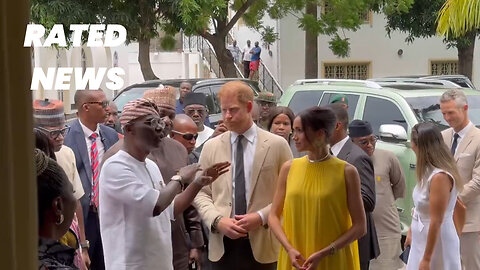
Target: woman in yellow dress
{"x":317,"y":212}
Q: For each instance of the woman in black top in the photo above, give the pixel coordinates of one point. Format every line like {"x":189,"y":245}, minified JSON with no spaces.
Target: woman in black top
{"x":56,"y":206}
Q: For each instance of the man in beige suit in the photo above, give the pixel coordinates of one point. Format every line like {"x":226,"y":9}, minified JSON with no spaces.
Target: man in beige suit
{"x":463,"y":138}
{"x":237,"y":205}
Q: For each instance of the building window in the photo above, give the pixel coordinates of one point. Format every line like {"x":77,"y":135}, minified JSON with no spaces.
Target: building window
{"x":367,"y":15}
{"x":32,"y":54}
{"x":60,"y":95}
{"x":445,"y":67}
{"x":58,"y":59}
{"x":357,"y":71}
{"x":83,"y":60}
{"x":115,"y":59}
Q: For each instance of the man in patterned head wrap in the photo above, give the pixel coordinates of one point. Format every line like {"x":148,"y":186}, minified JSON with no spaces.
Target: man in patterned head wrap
{"x":170,"y":156}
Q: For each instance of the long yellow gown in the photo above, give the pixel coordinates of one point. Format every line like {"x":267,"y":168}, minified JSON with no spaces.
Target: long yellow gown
{"x":315,"y":213}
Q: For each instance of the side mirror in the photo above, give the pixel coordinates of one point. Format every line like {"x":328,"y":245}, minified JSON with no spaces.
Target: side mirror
{"x":393,"y":133}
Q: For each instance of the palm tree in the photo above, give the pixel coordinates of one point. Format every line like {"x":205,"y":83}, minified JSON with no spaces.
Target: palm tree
{"x":459,"y":17}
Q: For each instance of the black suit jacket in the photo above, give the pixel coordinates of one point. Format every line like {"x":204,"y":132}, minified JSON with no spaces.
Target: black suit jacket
{"x":75,"y":139}
{"x":367,"y":245}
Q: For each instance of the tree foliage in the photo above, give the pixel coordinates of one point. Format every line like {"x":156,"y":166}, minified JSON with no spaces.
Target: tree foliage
{"x":336,"y":16}
{"x":459,"y":17}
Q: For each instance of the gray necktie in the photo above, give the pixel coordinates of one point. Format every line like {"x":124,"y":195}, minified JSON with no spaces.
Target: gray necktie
{"x":454,"y":144}
{"x":240,"y":201}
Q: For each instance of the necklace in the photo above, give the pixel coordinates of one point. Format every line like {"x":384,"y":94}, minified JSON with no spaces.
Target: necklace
{"x":319,"y":160}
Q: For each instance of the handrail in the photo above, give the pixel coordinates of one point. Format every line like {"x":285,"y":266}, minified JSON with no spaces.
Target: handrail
{"x":265,"y":78}
{"x":203,"y":46}
{"x":197,"y":43}
{"x":369,"y":84}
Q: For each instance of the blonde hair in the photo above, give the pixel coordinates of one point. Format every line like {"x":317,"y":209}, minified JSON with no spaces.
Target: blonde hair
{"x":242,"y":91}
{"x":433,"y":153}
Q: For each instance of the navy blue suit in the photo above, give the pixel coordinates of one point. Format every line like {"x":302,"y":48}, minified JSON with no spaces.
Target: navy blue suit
{"x":75,"y":139}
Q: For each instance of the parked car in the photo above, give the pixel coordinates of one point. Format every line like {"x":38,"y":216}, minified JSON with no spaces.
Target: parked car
{"x":135,"y":91}
{"x":209,"y":87}
{"x":391,"y":108}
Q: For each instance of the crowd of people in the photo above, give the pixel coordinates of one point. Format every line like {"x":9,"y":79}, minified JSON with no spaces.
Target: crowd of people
{"x":158,"y":188}
{"x":249,"y":55}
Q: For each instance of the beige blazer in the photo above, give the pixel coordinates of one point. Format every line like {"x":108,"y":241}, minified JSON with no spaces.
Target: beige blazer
{"x":468,"y":163}
{"x":216,"y":199}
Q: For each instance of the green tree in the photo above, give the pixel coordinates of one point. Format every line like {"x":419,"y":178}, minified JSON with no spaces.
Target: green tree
{"x":336,"y":16}
{"x":143,"y":20}
{"x":459,"y":17}
{"x":420,"y":21}
{"x":209,"y":19}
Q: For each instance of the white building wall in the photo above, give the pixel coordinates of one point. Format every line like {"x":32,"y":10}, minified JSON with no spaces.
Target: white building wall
{"x":369,"y":44}
{"x":166,"y":65}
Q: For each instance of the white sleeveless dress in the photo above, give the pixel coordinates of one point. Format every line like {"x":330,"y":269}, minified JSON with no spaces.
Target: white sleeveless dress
{"x":446,"y":254}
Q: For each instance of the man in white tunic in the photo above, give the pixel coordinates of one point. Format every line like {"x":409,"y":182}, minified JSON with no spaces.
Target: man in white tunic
{"x":135,"y":204}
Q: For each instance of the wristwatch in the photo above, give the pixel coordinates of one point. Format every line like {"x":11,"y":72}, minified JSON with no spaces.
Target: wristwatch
{"x":214,"y":227}
{"x":85,"y":245}
{"x":179,"y":179}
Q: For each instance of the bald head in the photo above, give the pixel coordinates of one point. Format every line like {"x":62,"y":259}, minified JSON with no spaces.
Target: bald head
{"x":184,"y":131}
{"x":182,"y":122}
{"x":83,"y":96}
{"x":91,"y":106}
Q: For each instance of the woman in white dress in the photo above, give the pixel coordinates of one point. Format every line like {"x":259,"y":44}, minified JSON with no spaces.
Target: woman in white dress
{"x":432,"y":235}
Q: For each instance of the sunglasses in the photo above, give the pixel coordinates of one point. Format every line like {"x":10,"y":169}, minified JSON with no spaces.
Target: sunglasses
{"x":156,"y":123}
{"x":199,"y":111}
{"x":104,"y":104}
{"x":186,"y":136}
{"x":53,"y":134}
{"x":371,"y":140}
{"x":265,"y":103}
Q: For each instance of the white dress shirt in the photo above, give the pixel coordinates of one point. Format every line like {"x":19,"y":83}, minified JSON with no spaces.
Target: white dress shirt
{"x":203,"y":136}
{"x":462,"y":133}
{"x":338,"y":146}
{"x":249,"y":146}
{"x":100,"y":147}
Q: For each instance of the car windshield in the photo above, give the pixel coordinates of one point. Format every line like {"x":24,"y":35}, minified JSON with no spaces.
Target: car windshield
{"x":427,"y":109}
{"x":131,"y":94}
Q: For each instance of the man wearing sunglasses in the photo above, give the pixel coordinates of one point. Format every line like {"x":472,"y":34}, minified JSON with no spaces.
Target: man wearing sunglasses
{"x":49,"y":119}
{"x":185,"y":132}
{"x":196,"y":108}
{"x":389,"y":186}
{"x":170,"y":157}
{"x":136,"y":205}
{"x":266,"y":101}
{"x":89,"y":139}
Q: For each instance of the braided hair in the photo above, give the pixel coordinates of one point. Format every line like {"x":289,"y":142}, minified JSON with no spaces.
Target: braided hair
{"x":52,"y":182}
{"x":44,"y":143}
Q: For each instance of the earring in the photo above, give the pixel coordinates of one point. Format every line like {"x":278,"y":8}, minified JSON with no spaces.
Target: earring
{"x":61,"y":220}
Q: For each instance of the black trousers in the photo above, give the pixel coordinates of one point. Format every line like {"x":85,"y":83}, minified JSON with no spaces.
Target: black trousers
{"x":239,"y":256}
{"x":246,"y":68}
{"x":92,"y":233}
